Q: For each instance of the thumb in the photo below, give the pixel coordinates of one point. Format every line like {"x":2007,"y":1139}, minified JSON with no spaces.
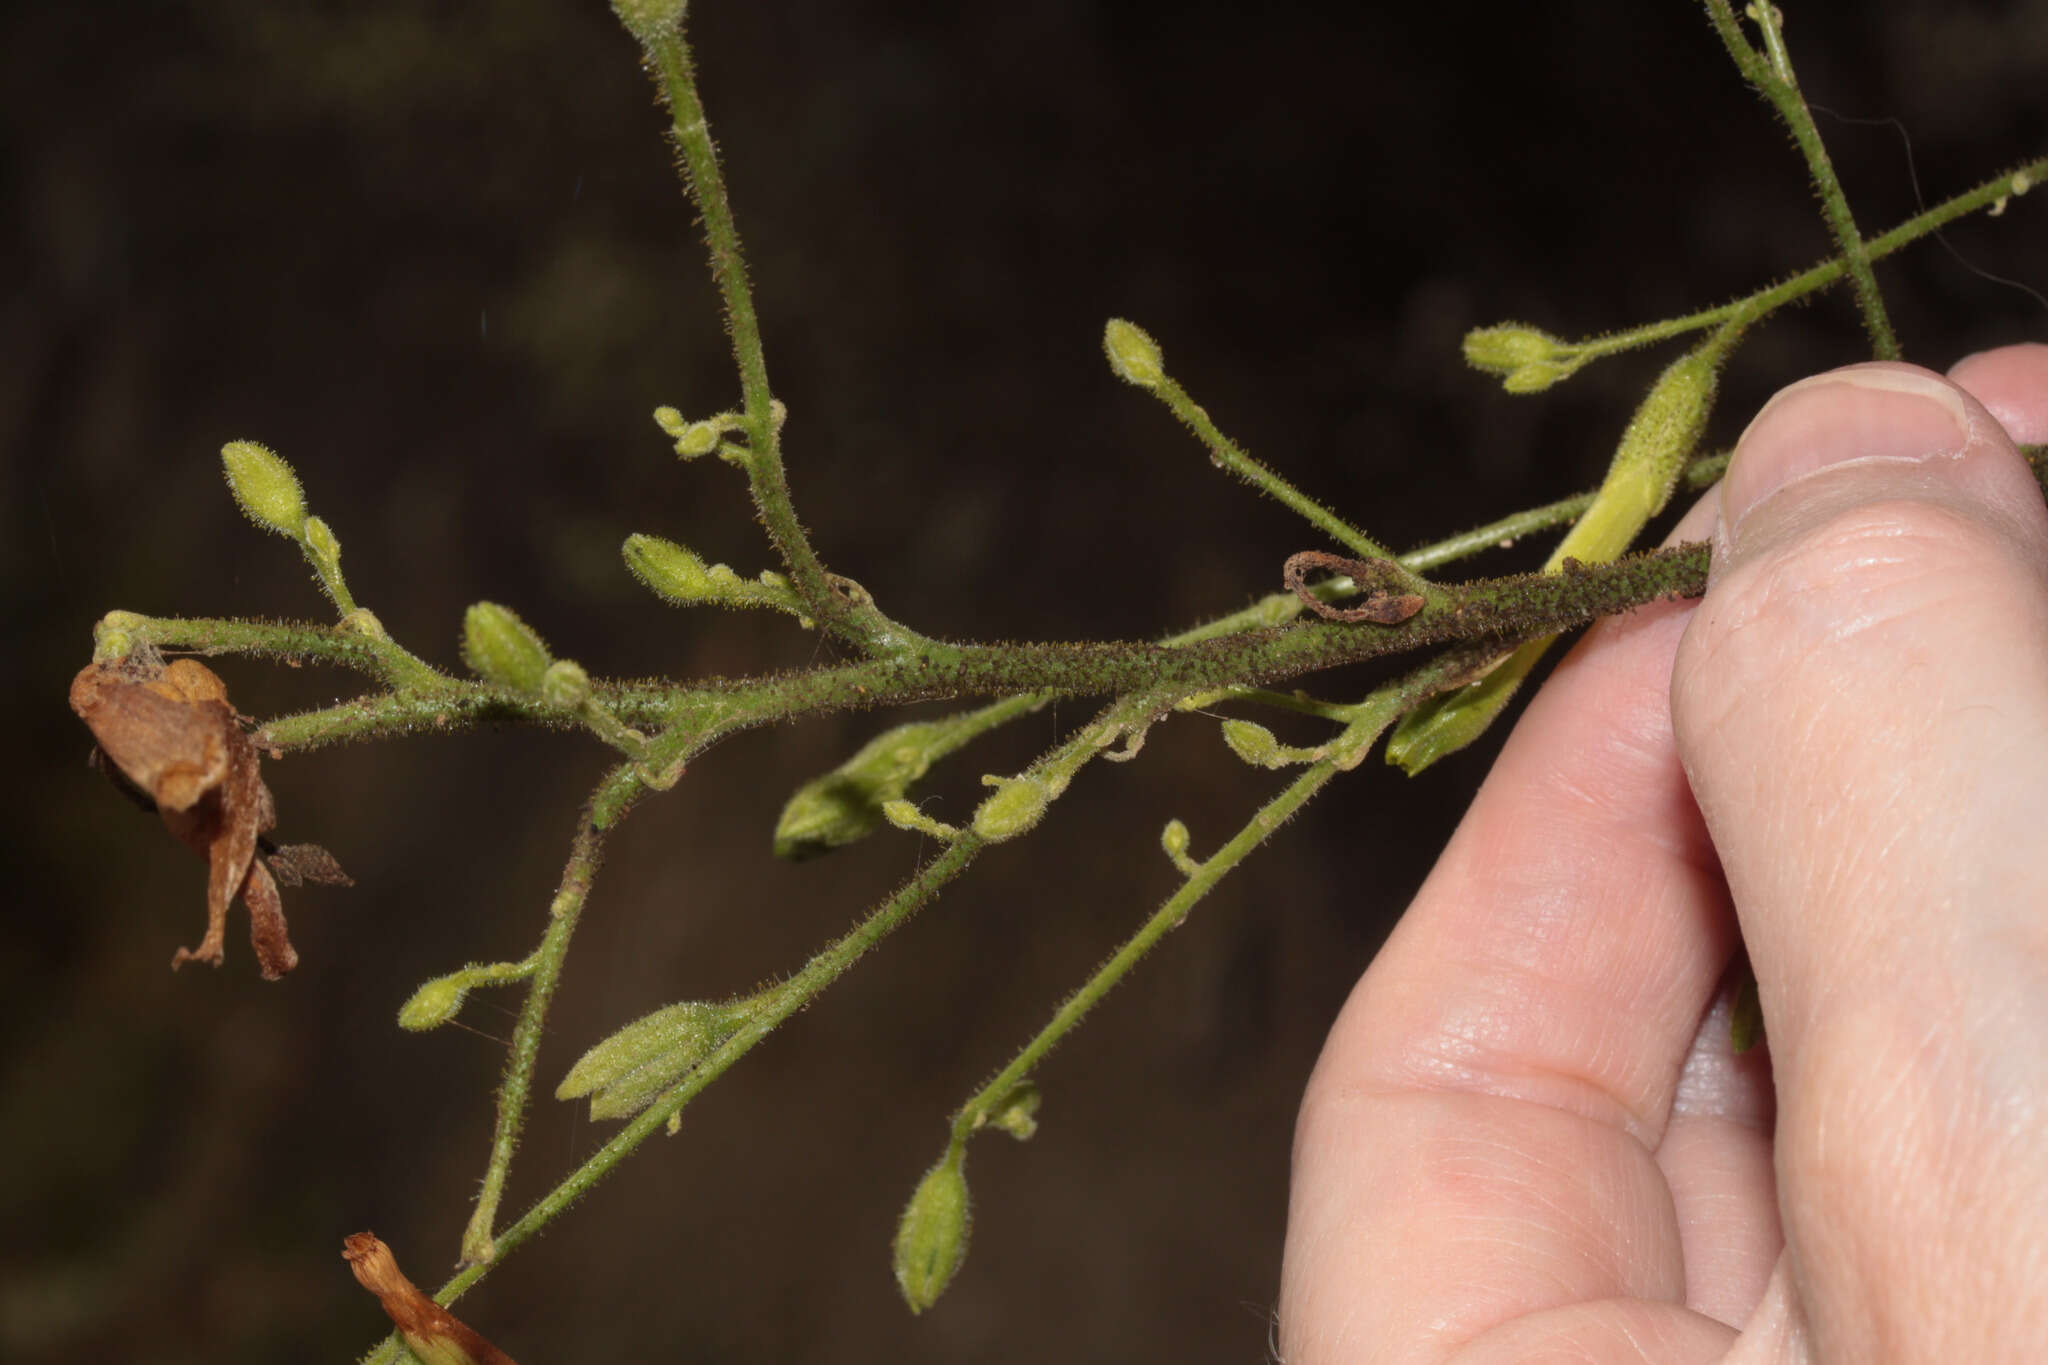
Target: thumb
{"x":1861,"y":702}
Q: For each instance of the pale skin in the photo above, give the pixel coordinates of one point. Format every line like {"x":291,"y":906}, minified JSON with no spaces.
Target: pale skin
{"x":1527,"y":1139}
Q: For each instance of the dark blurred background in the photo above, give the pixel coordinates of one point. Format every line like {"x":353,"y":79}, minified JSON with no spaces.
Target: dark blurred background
{"x":434,"y":254}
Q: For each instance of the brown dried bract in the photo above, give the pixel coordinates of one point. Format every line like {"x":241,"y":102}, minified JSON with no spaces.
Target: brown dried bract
{"x":430,"y":1330}
{"x":1385,"y":604}
{"x":170,"y":734}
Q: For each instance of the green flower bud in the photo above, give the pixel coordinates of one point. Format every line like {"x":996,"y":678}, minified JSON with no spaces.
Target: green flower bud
{"x":362,"y":621}
{"x":672,"y":572}
{"x":500,"y":648}
{"x":1510,"y":346}
{"x":113,"y":635}
{"x":647,"y":20}
{"x":624,"y":1073}
{"x":1016,"y":805}
{"x":931,"y":1241}
{"x":322,"y":545}
{"x":847,"y":803}
{"x":671,"y":422}
{"x":1176,"y":840}
{"x":435,"y":1003}
{"x":1253,"y":743}
{"x":565,"y":685}
{"x":1017,"y":1112}
{"x":699,"y":438}
{"x":1540,"y":376}
{"x":1133,"y":354}
{"x":265,"y":487}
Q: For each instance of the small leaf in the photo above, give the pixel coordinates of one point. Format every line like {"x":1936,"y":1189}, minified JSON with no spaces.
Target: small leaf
{"x":931,"y":1240}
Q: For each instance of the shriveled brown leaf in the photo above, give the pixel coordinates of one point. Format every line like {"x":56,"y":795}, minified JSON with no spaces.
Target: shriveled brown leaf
{"x":433,"y":1333}
{"x":296,"y":864}
{"x":176,"y":743}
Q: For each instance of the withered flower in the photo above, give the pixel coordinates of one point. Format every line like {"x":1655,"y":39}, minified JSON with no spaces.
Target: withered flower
{"x":169,"y":734}
{"x":432,"y":1332}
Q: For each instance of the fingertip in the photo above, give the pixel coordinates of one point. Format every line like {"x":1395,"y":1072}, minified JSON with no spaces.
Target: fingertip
{"x":2012,"y":384}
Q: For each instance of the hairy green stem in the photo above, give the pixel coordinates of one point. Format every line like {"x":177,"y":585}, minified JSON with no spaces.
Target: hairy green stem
{"x":1986,"y":195}
{"x":1228,"y":455}
{"x":852,"y":617}
{"x":1372,"y":717}
{"x":818,"y":974}
{"x":1770,"y":72}
{"x":585,"y":851}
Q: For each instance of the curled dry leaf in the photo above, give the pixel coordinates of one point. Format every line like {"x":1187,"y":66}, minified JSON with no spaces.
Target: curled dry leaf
{"x":432,"y":1332}
{"x":169,"y":734}
{"x":1387,"y":601}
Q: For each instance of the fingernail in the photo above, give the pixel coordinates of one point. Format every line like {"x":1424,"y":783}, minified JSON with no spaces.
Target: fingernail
{"x":1864,"y":414}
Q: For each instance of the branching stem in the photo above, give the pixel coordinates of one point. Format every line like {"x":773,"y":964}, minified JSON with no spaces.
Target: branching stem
{"x":1770,"y":72}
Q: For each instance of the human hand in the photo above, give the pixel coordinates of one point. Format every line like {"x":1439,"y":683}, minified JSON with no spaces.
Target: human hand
{"x":1527,"y":1137}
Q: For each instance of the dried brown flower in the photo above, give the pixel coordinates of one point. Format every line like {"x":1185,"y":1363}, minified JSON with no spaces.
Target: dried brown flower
{"x":170,"y":735}
{"x":434,"y":1334}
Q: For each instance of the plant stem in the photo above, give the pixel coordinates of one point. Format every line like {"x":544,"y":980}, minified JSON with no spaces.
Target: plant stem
{"x":585,"y":852}
{"x":1228,"y":455}
{"x":859,"y":621}
{"x":818,"y":974}
{"x":1770,"y":72}
{"x":1373,"y":716}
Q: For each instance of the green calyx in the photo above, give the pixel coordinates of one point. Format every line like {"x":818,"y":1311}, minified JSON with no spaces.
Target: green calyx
{"x":500,"y":648}
{"x":1133,"y":354}
{"x":435,"y":1003}
{"x":265,"y":487}
{"x":624,"y":1073}
{"x":675,"y":574}
{"x":931,"y":1238}
{"x":1015,"y":806}
{"x":847,"y":803}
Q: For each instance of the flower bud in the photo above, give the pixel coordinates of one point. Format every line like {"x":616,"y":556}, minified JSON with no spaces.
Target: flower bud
{"x":500,"y":648}
{"x":113,"y":635}
{"x":1017,"y":1112}
{"x":847,"y":803}
{"x":565,"y":685}
{"x":647,"y":20}
{"x":1176,"y":840}
{"x":435,"y":1003}
{"x":1509,"y":346}
{"x":624,"y":1073}
{"x":672,"y":572}
{"x":671,"y":422}
{"x":1015,"y":806}
{"x":1253,"y":743}
{"x":1133,"y":354}
{"x":699,"y":438}
{"x":265,"y":486}
{"x":931,"y":1241}
{"x":322,"y":547}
